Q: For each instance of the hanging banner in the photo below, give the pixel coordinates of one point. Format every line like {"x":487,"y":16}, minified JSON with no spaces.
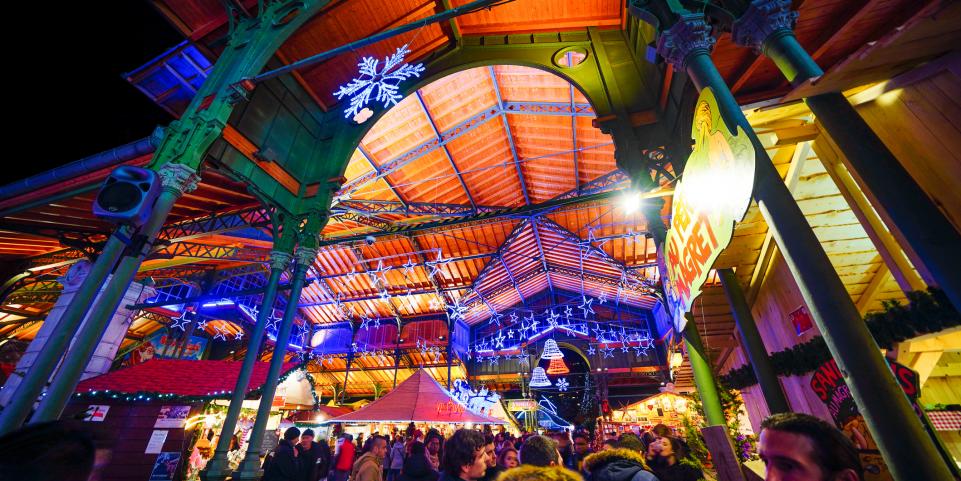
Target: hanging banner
{"x":162,"y":346}
{"x":828,"y":383}
{"x":713,"y":194}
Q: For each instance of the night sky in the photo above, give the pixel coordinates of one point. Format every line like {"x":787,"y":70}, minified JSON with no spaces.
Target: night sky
{"x":76,"y":102}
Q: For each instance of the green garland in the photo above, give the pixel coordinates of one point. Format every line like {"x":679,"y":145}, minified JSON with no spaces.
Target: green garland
{"x":926,"y":312}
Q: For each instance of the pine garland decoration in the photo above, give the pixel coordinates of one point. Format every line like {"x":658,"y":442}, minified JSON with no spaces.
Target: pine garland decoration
{"x":926,"y":312}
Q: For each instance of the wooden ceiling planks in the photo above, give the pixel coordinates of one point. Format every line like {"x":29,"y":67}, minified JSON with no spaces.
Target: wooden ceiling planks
{"x":537,"y":16}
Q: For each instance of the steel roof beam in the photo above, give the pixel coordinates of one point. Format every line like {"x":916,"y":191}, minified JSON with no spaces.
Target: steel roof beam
{"x":366,"y":155}
{"x":510,"y":136}
{"x":540,"y":249}
{"x":450,"y":158}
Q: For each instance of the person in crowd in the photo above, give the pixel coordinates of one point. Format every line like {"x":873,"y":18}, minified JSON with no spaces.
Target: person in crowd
{"x":434,"y":443}
{"x":314,"y":457}
{"x":508,"y":459}
{"x":416,"y":467}
{"x":539,"y":473}
{"x":396,"y":458}
{"x":630,"y":441}
{"x":796,"y":446}
{"x":564,"y":447}
{"x":582,"y":449}
{"x":369,"y":466}
{"x":541,"y":451}
{"x":465,"y":457}
{"x":360,"y":442}
{"x":617,"y":464}
{"x":283,"y":464}
{"x":493,"y":470}
{"x":668,"y":459}
{"x":343,"y":459}
{"x":49,"y":451}
{"x":609,"y":444}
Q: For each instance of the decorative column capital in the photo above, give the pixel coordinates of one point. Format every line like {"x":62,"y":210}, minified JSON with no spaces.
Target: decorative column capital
{"x":280,"y":259}
{"x":762,"y":19}
{"x":178,"y":179}
{"x":689,"y":35}
{"x":306,"y":255}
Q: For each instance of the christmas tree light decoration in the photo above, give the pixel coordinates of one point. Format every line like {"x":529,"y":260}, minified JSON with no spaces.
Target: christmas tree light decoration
{"x":539,"y":378}
{"x":551,"y":351}
{"x":557,"y":367}
{"x":562,"y":384}
{"x":386,"y":81}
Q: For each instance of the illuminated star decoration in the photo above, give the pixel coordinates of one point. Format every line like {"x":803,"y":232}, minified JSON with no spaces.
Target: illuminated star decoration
{"x":220,"y":334}
{"x":514,"y":318}
{"x":201,"y":324}
{"x":552,"y":318}
{"x":384,"y":80}
{"x":499,"y":340}
{"x":434,"y":304}
{"x":624,"y":347}
{"x":272,"y":322}
{"x":562,"y":384}
{"x":510,"y":334}
{"x":239,"y":335}
{"x":568,"y":312}
{"x":180,"y":322}
{"x":585,"y":306}
{"x":409,"y":267}
{"x":591,"y":350}
{"x":601,"y":299}
{"x":608,"y":351}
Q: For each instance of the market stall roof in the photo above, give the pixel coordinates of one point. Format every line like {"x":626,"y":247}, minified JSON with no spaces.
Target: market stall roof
{"x":178,"y":377}
{"x":417,"y":399}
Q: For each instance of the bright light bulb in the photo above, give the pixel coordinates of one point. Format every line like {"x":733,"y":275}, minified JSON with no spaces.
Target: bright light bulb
{"x":631,"y":201}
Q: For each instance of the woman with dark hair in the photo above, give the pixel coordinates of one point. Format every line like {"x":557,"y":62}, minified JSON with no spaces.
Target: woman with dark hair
{"x":416,"y":467}
{"x":507,"y":459}
{"x":434,"y":443}
{"x":669,"y":461}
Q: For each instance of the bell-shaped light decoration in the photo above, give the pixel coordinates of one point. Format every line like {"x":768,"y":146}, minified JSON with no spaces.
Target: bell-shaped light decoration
{"x":557,"y":367}
{"x":539,"y":378}
{"x":551,"y":351}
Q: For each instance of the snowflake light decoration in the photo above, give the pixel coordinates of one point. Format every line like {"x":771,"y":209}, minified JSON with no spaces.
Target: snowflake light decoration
{"x":562,"y":384}
{"x":381,"y":83}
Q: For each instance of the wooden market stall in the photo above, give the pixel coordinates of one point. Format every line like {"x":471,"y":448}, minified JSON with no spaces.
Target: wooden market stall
{"x":663,"y":408}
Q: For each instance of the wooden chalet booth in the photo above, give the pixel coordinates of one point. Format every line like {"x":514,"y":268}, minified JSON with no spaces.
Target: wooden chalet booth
{"x":160,"y":419}
{"x":665,"y":408}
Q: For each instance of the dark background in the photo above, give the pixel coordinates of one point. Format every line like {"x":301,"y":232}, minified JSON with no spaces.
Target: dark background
{"x":72,"y":100}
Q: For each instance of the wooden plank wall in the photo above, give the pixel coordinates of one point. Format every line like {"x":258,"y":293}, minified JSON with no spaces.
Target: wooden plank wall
{"x":920,"y":124}
{"x":125,"y":432}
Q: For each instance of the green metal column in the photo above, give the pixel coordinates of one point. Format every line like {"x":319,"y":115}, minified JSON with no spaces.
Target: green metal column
{"x":305,"y":256}
{"x":768,"y":24}
{"x":177,"y":180}
{"x":753,"y":344}
{"x":16,"y":412}
{"x":217,"y":469}
{"x":685,"y":42}
{"x":703,"y":375}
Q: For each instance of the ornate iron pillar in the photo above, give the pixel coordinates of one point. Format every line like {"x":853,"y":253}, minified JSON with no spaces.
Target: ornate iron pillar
{"x":685,"y":42}
{"x":217,"y":469}
{"x":17,"y":410}
{"x":753,"y":344}
{"x":305,"y":256}
{"x":767,"y":25}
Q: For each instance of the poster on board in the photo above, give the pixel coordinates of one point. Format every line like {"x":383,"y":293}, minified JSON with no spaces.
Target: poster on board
{"x":162,"y":346}
{"x":96,"y":413}
{"x":172,"y":417}
{"x":165,"y":466}
{"x":713,"y":194}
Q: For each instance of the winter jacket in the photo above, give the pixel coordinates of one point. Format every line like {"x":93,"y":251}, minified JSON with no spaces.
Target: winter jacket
{"x":417,"y":468}
{"x":314,"y":462}
{"x":367,"y":468}
{"x":397,"y":455}
{"x":680,"y":471}
{"x":617,"y":465}
{"x":527,"y":472}
{"x":281,"y":464}
{"x":345,"y":459}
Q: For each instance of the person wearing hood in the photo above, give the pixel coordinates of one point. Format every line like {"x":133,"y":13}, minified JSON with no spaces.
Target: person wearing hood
{"x":396,"y":458}
{"x":618,"y":464}
{"x":368,"y":467}
{"x":529,"y":472}
{"x":416,"y":467}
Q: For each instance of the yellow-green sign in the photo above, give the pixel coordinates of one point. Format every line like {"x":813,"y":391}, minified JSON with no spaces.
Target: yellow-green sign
{"x":714,"y":192}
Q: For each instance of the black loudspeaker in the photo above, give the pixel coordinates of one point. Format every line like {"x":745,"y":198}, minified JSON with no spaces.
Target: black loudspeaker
{"x":127,"y":195}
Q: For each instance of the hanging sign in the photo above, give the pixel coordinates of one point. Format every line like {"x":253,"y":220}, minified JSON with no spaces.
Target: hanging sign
{"x":828,"y":383}
{"x":714,"y":192}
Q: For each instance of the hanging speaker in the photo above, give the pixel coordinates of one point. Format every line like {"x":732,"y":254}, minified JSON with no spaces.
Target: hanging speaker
{"x":127,"y":195}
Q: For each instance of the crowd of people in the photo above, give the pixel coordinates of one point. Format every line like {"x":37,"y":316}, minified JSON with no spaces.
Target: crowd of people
{"x":793,"y":446}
